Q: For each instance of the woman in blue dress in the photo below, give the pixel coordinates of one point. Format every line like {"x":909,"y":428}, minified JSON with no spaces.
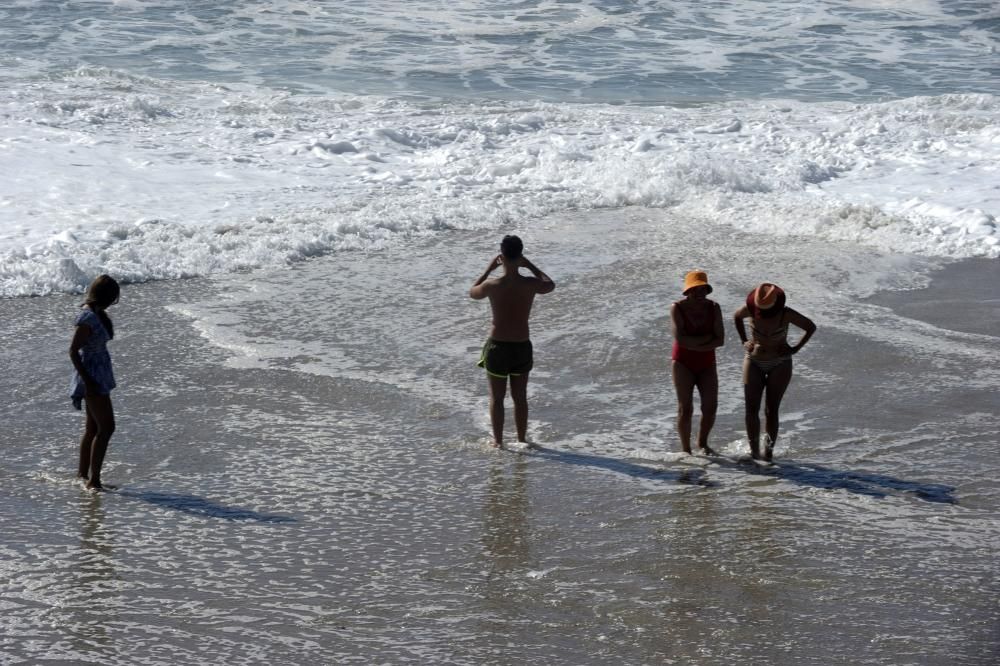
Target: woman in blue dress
{"x":94,"y":378}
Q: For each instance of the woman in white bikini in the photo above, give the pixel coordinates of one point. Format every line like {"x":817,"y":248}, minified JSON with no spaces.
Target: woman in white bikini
{"x":767,"y":367}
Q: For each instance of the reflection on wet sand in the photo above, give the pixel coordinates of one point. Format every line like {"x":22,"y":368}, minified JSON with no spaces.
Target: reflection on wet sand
{"x":505,"y":516}
{"x":95,"y":574}
{"x":506,"y":536}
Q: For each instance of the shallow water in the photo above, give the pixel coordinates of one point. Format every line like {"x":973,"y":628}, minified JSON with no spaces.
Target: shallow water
{"x":304,"y":473}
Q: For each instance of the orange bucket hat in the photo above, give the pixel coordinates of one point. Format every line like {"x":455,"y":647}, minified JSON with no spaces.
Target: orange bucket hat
{"x":696,"y":279}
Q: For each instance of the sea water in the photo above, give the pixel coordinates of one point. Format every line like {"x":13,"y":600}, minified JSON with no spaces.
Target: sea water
{"x":159,"y":140}
{"x":302,"y":455}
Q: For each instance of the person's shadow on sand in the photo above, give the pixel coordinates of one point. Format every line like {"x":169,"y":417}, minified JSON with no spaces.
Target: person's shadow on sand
{"x":694,"y":477}
{"x":855,"y":481}
{"x":199,"y":506}
{"x":806,"y":474}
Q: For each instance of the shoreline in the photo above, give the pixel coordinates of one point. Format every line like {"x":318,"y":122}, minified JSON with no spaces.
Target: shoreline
{"x":386,"y":515}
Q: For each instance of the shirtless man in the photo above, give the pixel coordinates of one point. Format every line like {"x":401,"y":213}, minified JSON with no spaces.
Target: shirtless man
{"x":507,"y":352}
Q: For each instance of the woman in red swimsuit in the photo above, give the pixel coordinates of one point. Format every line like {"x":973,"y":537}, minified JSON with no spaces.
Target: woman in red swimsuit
{"x":698,"y":330}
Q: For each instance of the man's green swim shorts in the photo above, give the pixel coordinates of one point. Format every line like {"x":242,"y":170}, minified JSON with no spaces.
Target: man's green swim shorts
{"x":503,"y":359}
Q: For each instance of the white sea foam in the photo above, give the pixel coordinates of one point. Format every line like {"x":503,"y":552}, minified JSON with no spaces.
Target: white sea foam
{"x":151,"y":179}
{"x":155,"y":139}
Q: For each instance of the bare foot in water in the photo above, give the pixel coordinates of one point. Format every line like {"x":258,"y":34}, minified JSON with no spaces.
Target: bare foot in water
{"x":94,"y":485}
{"x":707,"y":451}
{"x":521,"y":447}
{"x":768,"y":448}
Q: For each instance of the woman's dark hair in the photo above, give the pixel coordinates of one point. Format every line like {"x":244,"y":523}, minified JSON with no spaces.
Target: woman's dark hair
{"x":511,"y":247}
{"x":103,"y":291}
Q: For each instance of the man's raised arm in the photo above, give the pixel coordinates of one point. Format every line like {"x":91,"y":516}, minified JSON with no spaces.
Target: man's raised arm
{"x":545,"y":282}
{"x":478,"y":290}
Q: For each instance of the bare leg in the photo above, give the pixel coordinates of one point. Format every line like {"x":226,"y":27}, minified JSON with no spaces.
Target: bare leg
{"x":777,"y":381}
{"x":100,"y":410}
{"x":498,"y":391}
{"x":684,"y":381}
{"x":753,"y":390}
{"x":89,"y":432}
{"x":708,"y":392}
{"x":519,"y":392}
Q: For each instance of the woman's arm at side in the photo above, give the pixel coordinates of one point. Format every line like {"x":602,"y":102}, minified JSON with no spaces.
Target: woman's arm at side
{"x":80,"y":337}
{"x":719,"y":332}
{"x":803,"y":322}
{"x":742,"y":313}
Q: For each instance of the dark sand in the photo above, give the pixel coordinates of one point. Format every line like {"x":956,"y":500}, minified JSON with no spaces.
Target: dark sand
{"x":963,"y":296}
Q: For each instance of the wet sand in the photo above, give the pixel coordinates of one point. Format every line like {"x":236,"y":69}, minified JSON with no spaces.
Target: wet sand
{"x":962,"y":296}
{"x":305,"y":473}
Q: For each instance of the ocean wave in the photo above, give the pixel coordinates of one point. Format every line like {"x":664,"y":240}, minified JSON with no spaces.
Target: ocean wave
{"x":589,"y":50}
{"x":179,"y":179}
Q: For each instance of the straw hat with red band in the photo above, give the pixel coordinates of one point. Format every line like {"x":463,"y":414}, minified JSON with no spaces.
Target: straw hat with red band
{"x":696,"y":279}
{"x":766,"y":298}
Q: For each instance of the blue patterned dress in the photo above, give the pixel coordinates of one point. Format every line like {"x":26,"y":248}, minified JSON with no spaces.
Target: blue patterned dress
{"x":96,"y":359}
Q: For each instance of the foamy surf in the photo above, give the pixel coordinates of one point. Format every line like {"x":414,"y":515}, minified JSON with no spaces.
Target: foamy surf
{"x":242,"y":178}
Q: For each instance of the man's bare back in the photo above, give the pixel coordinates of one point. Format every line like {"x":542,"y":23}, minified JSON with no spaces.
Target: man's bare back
{"x":507,"y":355}
{"x":511,"y":297}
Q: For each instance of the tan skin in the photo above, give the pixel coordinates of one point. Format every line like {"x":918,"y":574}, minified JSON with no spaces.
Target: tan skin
{"x":770,"y":386}
{"x":511,"y":297}
{"x":707,"y":381}
{"x":100,"y":423}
